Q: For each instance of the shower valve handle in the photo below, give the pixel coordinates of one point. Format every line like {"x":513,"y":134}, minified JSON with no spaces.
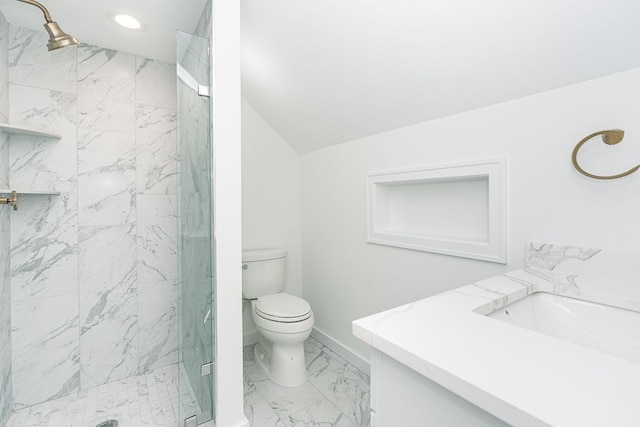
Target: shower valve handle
{"x":11,"y":201}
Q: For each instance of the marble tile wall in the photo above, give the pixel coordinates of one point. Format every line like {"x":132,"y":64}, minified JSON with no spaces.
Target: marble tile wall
{"x":94,"y":294}
{"x":5,"y":287}
{"x":203,"y":28}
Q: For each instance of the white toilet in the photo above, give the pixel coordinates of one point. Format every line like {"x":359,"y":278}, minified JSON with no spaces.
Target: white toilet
{"x":283,"y":321}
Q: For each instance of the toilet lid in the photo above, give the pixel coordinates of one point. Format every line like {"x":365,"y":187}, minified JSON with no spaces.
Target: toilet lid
{"x":283,"y":308}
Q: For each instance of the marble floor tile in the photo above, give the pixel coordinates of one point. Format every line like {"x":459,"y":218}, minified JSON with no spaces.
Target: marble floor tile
{"x":288,"y":400}
{"x":348,"y":389}
{"x":321,"y":359}
{"x":322,"y":414}
{"x":260,"y":413}
{"x":336,"y":393}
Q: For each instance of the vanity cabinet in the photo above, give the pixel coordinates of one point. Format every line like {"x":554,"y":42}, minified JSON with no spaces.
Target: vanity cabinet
{"x":402,"y":397}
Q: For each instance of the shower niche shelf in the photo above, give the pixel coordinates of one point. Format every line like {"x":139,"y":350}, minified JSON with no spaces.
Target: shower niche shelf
{"x":30,"y":192}
{"x":455,"y":209}
{"x":24,"y":130}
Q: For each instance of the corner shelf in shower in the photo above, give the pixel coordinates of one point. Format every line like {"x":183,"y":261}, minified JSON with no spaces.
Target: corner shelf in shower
{"x":28,"y":131}
{"x":35,"y":192}
{"x":23,"y":130}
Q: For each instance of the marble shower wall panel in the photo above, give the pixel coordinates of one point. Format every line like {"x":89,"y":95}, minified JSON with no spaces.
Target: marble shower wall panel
{"x":158,"y":324}
{"x":106,"y":89}
{"x":155,"y":83}
{"x":5,"y":318}
{"x":5,"y":277}
{"x":45,"y":350}
{"x":5,"y":284}
{"x":156,"y":181}
{"x":106,"y":178}
{"x":44,"y":244}
{"x":32,"y":65}
{"x":4,"y":156}
{"x":108,"y":304}
{"x":44,"y":282}
{"x":157,"y":238}
{"x":203,"y":28}
{"x":157,"y":281}
{"x":43,"y":163}
{"x":44,"y":247}
{"x":85,"y":248}
{"x":156,"y":150}
{"x":4,"y":72}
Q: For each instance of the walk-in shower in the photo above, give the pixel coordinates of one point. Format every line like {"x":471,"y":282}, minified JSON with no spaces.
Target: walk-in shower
{"x":106,"y":269}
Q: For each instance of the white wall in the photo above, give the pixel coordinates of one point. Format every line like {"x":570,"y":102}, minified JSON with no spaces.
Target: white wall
{"x":270,"y":198}
{"x":345,"y":278}
{"x":227,"y":205}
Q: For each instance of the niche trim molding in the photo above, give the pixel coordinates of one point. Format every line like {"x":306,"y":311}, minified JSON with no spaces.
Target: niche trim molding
{"x":457,"y":209}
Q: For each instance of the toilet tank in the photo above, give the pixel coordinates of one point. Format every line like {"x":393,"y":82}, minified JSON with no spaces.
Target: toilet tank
{"x":263,"y":271}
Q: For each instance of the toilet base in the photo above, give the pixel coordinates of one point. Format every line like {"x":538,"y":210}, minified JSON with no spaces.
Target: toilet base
{"x":283,"y":364}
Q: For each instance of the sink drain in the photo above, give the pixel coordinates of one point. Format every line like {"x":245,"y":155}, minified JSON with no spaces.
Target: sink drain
{"x":109,"y":423}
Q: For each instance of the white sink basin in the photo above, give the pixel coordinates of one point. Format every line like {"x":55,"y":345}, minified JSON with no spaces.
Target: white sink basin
{"x":608,"y":329}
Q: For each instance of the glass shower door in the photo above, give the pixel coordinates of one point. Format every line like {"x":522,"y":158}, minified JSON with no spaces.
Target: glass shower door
{"x":195,"y":253}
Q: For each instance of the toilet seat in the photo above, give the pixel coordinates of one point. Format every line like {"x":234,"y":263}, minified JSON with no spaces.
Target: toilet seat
{"x":283,"y":308}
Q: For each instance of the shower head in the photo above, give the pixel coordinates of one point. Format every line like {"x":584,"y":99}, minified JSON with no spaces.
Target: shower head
{"x":57,"y":37}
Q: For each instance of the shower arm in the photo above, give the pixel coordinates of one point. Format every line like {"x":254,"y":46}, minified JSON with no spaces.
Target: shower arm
{"x":44,"y":10}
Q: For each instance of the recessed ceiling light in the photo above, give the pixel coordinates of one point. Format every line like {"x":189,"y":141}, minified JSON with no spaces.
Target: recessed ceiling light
{"x":127,"y":20}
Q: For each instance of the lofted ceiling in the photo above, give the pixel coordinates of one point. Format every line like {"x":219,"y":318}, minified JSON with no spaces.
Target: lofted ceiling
{"x":325,"y":72}
{"x":330,"y":71}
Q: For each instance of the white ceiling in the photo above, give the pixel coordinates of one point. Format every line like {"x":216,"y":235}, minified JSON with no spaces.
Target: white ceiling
{"x":329,"y":71}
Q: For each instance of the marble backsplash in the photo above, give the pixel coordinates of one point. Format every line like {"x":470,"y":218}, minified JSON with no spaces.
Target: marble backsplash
{"x":580,"y":272}
{"x":94,"y":294}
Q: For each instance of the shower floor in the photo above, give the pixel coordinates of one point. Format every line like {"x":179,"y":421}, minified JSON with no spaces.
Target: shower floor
{"x":150,"y":400}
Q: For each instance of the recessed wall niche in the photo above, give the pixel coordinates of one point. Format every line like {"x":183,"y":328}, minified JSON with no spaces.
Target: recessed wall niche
{"x":455,"y":209}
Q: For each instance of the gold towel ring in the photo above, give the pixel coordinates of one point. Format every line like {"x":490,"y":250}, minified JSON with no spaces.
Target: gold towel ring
{"x":609,"y":137}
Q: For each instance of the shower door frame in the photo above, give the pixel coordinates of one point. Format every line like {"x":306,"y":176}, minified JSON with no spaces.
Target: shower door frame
{"x":225,"y":48}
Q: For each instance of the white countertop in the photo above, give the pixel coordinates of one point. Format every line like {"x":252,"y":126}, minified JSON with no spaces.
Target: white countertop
{"x":522,"y":377}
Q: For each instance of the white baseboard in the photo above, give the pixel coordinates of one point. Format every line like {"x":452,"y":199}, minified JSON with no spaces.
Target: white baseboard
{"x":251,"y":337}
{"x":342,"y":351}
{"x":244,"y":423}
